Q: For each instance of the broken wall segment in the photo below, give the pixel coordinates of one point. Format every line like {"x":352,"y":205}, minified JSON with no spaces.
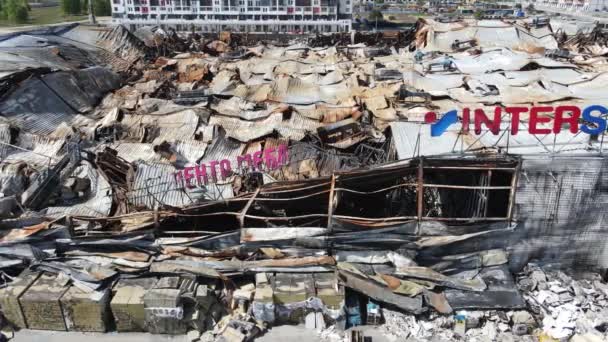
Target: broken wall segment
{"x":86,"y":311}
{"x":127,"y":304}
{"x":41,"y":304}
{"x":10,"y":298}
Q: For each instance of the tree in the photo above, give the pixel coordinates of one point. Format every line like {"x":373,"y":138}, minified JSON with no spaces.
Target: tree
{"x":2,"y":14}
{"x":102,"y":8}
{"x":478,"y":14}
{"x":15,"y":11}
{"x":530,"y":8}
{"x":375,"y":15}
{"x":65,"y":6}
{"x":26,"y":5}
{"x":21,"y":14}
{"x":85,"y":6}
{"x":71,"y":7}
{"x":518,"y":6}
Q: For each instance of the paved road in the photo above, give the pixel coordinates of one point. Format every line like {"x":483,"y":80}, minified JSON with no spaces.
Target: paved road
{"x":285,"y":333}
{"x":278,"y":334}
{"x":11,"y":29}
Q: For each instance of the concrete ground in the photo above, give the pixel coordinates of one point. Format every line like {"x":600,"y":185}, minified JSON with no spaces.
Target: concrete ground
{"x":14,"y":29}
{"x":276,"y":334}
{"x":285,"y":333}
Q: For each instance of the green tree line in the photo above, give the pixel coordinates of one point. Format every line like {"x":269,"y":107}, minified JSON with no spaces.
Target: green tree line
{"x":74,"y":7}
{"x":15,"y":11}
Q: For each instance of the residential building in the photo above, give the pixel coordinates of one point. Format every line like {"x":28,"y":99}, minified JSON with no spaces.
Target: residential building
{"x":263,"y":16}
{"x":571,"y":5}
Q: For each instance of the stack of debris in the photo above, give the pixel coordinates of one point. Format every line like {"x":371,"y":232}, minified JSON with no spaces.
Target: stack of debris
{"x":565,"y":306}
{"x":194,"y":185}
{"x":594,"y":42}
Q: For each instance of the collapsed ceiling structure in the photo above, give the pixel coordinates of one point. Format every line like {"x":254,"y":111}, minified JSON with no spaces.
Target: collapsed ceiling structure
{"x":126,"y":156}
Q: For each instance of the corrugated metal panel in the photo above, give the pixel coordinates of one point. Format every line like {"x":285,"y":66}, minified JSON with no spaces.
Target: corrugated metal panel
{"x":295,"y":128}
{"x":433,"y":84}
{"x":247,"y":130}
{"x":104,"y":80}
{"x":414,"y":139}
{"x":592,"y":89}
{"x":253,"y":147}
{"x":526,"y":143}
{"x":66,"y":87}
{"x":503,"y":59}
{"x":84,"y":34}
{"x":171,"y":127}
{"x":295,"y":91}
{"x":35,"y":108}
{"x":46,"y":123}
{"x":5,"y":138}
{"x":557,"y":208}
{"x":20,"y":59}
{"x":497,"y":36}
{"x":132,"y":152}
{"x":24,"y":40}
{"x":44,"y":152}
{"x":237,"y":107}
{"x":123,"y":43}
{"x":223,"y":148}
{"x":442,"y":41}
{"x":155,"y":186}
{"x":191,"y":150}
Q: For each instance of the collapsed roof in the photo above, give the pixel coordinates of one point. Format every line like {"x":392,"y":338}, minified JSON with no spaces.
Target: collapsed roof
{"x":95,"y":136}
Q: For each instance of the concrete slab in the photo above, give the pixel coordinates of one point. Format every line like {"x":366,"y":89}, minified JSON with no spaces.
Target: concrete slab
{"x":276,"y":334}
{"x":61,"y":336}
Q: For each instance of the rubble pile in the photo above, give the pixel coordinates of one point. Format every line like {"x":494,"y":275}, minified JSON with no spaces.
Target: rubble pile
{"x":214,"y":186}
{"x":566,"y":306}
{"x":594,"y":42}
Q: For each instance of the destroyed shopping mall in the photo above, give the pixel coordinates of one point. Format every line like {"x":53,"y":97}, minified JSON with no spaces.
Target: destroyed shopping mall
{"x":439,"y":184}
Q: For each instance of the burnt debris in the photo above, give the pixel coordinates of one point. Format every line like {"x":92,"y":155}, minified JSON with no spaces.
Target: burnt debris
{"x":216,"y":185}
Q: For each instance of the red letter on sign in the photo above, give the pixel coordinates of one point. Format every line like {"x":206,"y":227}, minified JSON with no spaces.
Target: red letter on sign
{"x":283,"y":157}
{"x":179,"y":178}
{"x":466,"y":119}
{"x":535,"y":120}
{"x":493,"y":126}
{"x":269,"y":159}
{"x":243,"y":158}
{"x":572,"y":120}
{"x":257,"y":160}
{"x":213,"y":172}
{"x":225,"y":168}
{"x":201,"y":174}
{"x":188,"y":175}
{"x":515,"y":111}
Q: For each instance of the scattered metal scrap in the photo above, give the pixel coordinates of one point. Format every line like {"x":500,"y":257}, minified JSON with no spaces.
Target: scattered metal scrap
{"x":94,"y":220}
{"x":594,"y":42}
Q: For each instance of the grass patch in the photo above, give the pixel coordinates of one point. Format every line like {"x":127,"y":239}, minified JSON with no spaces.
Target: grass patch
{"x":46,"y":16}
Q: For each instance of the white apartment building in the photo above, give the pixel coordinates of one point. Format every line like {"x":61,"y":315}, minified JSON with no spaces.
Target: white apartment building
{"x":261,"y":16}
{"x":571,"y":5}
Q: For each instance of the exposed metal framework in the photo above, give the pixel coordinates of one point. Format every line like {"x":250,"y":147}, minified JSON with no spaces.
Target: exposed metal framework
{"x":419,"y":190}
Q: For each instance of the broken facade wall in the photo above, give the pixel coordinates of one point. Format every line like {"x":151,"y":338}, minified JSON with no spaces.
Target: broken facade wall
{"x":559,"y":210}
